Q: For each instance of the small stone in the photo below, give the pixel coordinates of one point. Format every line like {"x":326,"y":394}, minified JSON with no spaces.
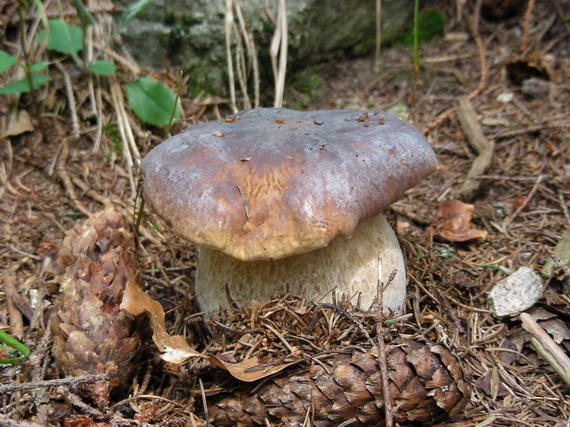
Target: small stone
{"x":536,"y":87}
{"x":518,"y":292}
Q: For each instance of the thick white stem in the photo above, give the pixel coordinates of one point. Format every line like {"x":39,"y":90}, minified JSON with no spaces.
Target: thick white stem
{"x":345,"y":266}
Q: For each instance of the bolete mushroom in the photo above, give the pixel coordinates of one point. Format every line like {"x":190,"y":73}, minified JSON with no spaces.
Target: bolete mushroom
{"x":279,"y":198}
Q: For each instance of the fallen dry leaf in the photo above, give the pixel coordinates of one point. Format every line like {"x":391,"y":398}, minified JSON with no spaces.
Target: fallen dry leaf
{"x":250,"y":370}
{"x":453,"y":222}
{"x":174,"y":348}
{"x":20,"y":122}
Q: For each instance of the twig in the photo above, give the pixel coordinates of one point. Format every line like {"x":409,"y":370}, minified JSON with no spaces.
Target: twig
{"x":485,"y":148}
{"x":279,"y":49}
{"x":81,"y":379}
{"x":77,"y":401}
{"x":379,"y":317}
{"x":131,"y":66}
{"x":378,"y":36}
{"x":241,"y":70}
{"x":508,"y":220}
{"x":281,"y":338}
{"x":70,"y":100}
{"x":61,"y":170}
{"x":547,"y":348}
{"x":480,"y":49}
{"x":250,"y":48}
{"x":145,"y":396}
{"x":404,"y":210}
{"x":561,"y":15}
{"x":7,"y":422}
{"x":256,"y":78}
{"x":229,"y":22}
{"x":126,"y":133}
{"x":526,"y":21}
{"x":564,"y":207}
{"x":531,"y":129}
{"x":204,"y":402}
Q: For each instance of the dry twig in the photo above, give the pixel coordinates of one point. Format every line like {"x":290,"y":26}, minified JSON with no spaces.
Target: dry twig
{"x":526,"y":22}
{"x":278,"y":52}
{"x":379,"y":318}
{"x":547,"y":348}
{"x":484,"y":147}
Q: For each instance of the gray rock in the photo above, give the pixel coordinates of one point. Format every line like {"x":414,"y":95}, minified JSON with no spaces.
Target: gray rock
{"x":191,"y":34}
{"x":517,"y":293}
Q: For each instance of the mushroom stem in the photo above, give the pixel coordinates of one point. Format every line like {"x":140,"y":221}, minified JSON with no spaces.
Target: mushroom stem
{"x":345,"y":267}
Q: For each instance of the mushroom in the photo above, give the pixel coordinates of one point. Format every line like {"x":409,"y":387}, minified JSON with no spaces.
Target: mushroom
{"x":279,"y":198}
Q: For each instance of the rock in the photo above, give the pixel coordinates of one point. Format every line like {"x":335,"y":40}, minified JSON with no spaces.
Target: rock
{"x":536,"y":87}
{"x":192,"y":35}
{"x":518,"y":292}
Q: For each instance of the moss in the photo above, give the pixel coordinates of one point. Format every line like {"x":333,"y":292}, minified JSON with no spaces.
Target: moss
{"x":111,"y":131}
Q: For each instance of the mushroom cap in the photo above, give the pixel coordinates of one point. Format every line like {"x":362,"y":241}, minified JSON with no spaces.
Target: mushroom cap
{"x":270,"y":183}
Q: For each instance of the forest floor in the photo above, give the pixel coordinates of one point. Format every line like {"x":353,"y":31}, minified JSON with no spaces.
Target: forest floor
{"x":52,"y":179}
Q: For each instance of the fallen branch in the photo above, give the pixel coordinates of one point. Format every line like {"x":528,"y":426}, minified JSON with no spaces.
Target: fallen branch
{"x":81,"y":379}
{"x":379,"y":318}
{"x":547,"y":348}
{"x":485,"y":148}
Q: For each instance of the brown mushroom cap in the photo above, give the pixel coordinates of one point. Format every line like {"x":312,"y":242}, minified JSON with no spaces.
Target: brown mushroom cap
{"x":269,"y":183}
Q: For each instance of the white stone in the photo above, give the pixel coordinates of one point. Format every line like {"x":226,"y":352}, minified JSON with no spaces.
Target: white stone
{"x":516,"y":293}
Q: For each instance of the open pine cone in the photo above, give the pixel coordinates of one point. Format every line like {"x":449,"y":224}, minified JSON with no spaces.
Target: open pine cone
{"x":426,"y":386}
{"x":338,"y":377}
{"x":91,"y":334}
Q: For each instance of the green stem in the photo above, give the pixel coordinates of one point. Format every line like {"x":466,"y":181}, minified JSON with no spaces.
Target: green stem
{"x":495,"y":267}
{"x":173,"y":112}
{"x":16,"y":345}
{"x":139,"y":216}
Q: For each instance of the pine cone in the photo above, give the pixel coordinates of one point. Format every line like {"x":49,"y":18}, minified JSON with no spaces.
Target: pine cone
{"x":425,"y":380}
{"x":91,"y":334}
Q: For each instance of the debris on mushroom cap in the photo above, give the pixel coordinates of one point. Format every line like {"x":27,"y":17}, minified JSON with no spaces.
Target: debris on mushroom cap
{"x":303,"y":185}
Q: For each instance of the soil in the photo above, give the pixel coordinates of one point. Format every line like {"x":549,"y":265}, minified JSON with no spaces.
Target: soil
{"x":54,"y":176}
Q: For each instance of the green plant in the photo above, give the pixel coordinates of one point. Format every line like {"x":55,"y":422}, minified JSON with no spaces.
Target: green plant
{"x":429,"y":23}
{"x":17,"y":351}
{"x":152,"y":102}
{"x":62,"y":38}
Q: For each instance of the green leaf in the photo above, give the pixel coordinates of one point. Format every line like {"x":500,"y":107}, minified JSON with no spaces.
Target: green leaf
{"x":41,"y":12}
{"x":38,"y":66}
{"x":104,"y":68}
{"x":132,"y":11}
{"x":151,"y":101}
{"x":63,"y":38}
{"x":6,"y":60}
{"x":84,"y":15}
{"x":22,"y":86}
